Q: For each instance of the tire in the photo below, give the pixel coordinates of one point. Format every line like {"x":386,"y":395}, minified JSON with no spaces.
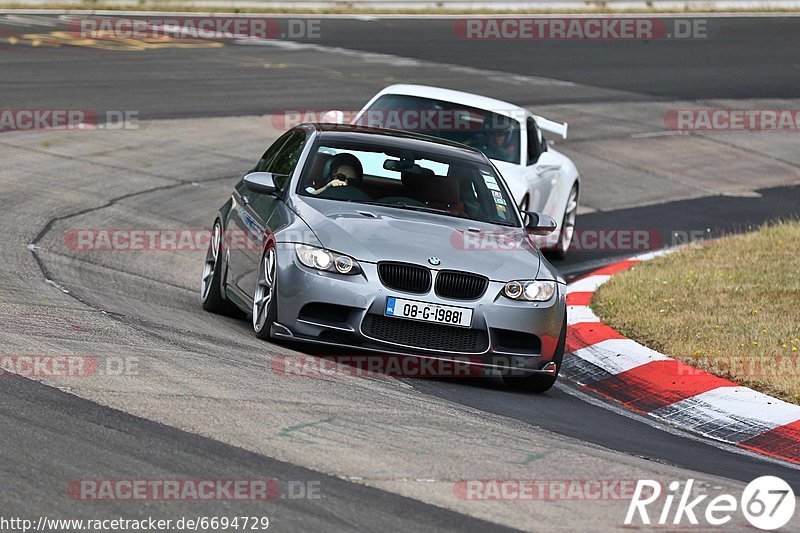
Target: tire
{"x":265,"y":295}
{"x":211,"y":292}
{"x":540,"y":382}
{"x":567,"y":226}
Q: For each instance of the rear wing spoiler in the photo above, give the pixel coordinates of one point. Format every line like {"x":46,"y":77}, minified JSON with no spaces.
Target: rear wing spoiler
{"x":557,"y":128}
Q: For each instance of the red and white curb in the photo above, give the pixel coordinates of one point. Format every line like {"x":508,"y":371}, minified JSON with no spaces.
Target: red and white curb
{"x":601,"y":359}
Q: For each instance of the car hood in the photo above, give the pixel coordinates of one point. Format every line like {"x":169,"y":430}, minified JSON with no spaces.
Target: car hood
{"x":371,"y":233}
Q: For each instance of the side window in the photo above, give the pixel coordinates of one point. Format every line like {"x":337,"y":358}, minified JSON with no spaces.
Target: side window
{"x":269,"y":155}
{"x":534,"y":142}
{"x":288,"y":156}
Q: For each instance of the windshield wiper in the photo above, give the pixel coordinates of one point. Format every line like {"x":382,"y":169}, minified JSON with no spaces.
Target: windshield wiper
{"x":420,"y":208}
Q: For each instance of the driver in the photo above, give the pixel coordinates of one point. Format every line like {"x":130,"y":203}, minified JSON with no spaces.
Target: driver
{"x":499,"y":139}
{"x":343,"y":170}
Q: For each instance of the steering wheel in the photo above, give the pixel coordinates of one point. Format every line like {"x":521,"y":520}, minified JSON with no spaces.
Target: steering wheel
{"x":347,"y":192}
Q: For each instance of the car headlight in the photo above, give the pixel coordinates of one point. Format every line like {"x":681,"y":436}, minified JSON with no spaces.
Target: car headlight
{"x":529,"y":290}
{"x":322,"y":259}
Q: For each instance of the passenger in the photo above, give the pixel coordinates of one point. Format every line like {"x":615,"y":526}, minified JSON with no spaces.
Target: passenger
{"x":343,"y":170}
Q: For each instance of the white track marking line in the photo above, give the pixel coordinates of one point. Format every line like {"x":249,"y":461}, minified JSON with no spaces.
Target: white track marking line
{"x":738,"y":403}
{"x":664,"y":426}
{"x":578,"y":314}
{"x":658,"y":253}
{"x":618,"y":355}
{"x":401,"y":61}
{"x":651,"y":134}
{"x":587,"y":284}
{"x":733,"y":409}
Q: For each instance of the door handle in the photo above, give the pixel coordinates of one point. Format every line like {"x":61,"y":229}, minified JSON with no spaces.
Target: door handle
{"x":246,"y":200}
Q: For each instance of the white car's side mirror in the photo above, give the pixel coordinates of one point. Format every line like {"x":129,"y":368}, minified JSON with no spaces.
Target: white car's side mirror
{"x":547,"y":161}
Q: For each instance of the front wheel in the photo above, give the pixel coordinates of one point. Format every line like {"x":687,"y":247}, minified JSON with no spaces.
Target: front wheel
{"x":265,"y":296}
{"x":540,"y":382}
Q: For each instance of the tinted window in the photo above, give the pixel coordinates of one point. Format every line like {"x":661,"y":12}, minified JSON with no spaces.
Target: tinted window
{"x":280,"y":158}
{"x":495,"y":134}
{"x":269,"y":155}
{"x":533,"y":142}
{"x":288,"y":156}
{"x":408,"y":179}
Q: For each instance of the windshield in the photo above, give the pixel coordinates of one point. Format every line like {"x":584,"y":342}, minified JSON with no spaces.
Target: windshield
{"x":407,"y":179}
{"x":496,"y":135}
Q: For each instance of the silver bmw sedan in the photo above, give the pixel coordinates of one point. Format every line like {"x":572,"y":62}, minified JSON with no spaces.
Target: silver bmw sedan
{"x":391,"y":242}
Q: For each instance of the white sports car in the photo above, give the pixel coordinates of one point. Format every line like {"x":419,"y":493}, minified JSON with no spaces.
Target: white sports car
{"x":540,"y":178}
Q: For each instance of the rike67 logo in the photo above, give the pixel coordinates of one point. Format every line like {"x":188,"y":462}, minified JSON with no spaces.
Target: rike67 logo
{"x":767,"y":503}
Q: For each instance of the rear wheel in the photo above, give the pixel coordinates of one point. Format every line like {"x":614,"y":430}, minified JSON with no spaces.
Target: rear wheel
{"x":265,"y":305}
{"x":567,"y":226}
{"x":211,"y":296}
{"x":540,"y":382}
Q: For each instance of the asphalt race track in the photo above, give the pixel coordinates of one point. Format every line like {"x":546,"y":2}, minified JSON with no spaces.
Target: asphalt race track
{"x":203,"y":400}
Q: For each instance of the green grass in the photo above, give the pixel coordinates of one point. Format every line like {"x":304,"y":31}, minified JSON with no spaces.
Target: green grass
{"x":731,"y":307}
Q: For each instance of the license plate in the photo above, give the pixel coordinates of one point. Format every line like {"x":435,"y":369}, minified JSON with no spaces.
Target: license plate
{"x":428,"y":312}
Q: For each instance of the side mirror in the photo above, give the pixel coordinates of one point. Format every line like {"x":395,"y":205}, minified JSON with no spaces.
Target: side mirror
{"x":263,"y":182}
{"x":334,"y":116}
{"x":539,"y":223}
{"x":547,"y":161}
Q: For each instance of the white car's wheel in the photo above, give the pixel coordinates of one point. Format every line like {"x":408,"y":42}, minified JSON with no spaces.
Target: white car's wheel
{"x":567,"y":226}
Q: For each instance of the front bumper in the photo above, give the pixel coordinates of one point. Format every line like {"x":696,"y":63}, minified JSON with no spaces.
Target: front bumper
{"x":348,"y":312}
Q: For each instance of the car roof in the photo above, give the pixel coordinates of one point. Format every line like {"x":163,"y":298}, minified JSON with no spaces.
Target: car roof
{"x":458,"y":97}
{"x":397,"y":138}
